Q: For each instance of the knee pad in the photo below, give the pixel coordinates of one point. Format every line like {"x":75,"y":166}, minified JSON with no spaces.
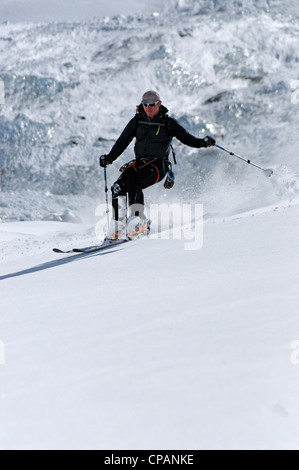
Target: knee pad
{"x":116,"y":190}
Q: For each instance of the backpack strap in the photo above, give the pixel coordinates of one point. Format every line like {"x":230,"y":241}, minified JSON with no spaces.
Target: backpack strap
{"x":173,"y":154}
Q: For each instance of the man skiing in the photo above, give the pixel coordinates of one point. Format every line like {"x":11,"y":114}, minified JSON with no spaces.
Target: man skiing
{"x":153,"y":130}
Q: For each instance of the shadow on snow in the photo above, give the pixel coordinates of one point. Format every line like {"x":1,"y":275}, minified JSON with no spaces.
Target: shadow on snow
{"x":57,"y":263}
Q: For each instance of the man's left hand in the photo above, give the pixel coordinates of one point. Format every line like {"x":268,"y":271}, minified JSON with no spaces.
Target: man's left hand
{"x":209,"y":141}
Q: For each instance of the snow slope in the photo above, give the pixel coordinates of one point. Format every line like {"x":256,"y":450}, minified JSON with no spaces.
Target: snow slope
{"x":149,"y":346}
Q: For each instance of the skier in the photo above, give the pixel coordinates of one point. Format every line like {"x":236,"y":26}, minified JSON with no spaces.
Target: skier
{"x":153,"y":130}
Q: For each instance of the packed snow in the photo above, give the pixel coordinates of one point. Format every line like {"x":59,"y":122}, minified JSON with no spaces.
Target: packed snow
{"x":150,"y":345}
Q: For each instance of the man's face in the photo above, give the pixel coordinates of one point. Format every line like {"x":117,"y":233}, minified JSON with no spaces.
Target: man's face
{"x":152,"y":111}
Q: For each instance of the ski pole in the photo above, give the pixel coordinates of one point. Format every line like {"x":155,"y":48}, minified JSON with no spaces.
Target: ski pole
{"x":106,"y":192}
{"x":267,"y":172}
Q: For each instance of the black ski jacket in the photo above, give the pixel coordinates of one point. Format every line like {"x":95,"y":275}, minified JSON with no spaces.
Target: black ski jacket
{"x":153,"y":138}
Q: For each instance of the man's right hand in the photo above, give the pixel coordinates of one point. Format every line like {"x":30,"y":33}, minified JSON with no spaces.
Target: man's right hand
{"x":105,"y":160}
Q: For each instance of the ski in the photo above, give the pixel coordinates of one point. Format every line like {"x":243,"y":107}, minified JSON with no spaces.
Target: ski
{"x":92,"y":249}
{"x":57,"y":250}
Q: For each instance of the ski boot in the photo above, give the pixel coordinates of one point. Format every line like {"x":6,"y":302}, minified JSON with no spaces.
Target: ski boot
{"x":117,"y":231}
{"x":137,"y":227}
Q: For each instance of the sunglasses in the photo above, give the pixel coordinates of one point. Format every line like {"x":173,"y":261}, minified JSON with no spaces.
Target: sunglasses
{"x":151,"y":105}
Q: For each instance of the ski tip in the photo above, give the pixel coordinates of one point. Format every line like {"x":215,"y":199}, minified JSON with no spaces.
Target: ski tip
{"x":62,"y":252}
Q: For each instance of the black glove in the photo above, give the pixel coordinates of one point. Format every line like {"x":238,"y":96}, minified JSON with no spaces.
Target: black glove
{"x":209,"y":141}
{"x":105,"y":160}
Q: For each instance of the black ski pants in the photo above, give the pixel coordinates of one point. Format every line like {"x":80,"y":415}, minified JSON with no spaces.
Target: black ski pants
{"x":137,"y":176}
